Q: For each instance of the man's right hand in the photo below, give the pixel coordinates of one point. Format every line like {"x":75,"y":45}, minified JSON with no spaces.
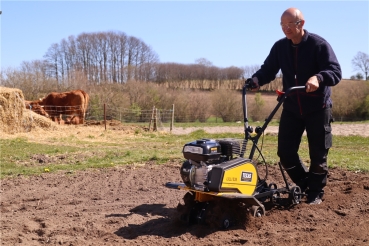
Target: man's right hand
{"x":256,"y":86}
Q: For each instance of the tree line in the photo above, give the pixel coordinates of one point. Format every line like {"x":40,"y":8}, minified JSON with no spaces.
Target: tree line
{"x":114,"y":57}
{"x":101,"y":57}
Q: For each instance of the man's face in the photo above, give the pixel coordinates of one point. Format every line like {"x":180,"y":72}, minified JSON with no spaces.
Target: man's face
{"x":291,"y":26}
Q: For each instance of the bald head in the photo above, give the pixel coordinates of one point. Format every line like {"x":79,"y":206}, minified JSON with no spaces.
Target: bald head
{"x":292,"y":23}
{"x":293,"y":12}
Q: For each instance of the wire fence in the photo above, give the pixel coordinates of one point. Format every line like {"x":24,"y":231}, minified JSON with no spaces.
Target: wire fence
{"x":67,"y":111}
{"x":158,"y":119}
{"x":162,"y":119}
{"x":155,"y":119}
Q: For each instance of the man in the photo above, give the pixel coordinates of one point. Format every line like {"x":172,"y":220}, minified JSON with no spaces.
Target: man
{"x":304,"y":59}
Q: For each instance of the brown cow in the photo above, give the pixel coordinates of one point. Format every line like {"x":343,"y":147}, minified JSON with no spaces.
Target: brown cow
{"x":70,"y":104}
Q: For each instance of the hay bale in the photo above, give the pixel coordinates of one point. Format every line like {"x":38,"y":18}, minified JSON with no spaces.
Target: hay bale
{"x":33,"y":121}
{"x":14,"y":117}
{"x":11,"y":109}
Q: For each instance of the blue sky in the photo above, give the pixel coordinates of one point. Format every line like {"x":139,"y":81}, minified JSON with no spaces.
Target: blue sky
{"x":227,"y":33}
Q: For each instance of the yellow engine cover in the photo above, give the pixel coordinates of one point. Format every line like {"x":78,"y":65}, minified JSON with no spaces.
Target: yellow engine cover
{"x":244,"y":178}
{"x":238,"y":175}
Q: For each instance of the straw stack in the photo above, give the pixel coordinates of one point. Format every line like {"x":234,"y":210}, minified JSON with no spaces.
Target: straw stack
{"x":14,"y":117}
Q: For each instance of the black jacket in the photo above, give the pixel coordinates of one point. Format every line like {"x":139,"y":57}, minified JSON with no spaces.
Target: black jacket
{"x":312,"y":56}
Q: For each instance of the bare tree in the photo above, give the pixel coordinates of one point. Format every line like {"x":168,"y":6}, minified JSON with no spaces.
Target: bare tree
{"x":250,"y":70}
{"x":64,"y":55}
{"x":53,"y":57}
{"x":122,"y":56}
{"x":203,"y":61}
{"x":147,"y":61}
{"x":113,"y":50}
{"x":71,"y":58}
{"x":360,"y":62}
{"x":33,"y":78}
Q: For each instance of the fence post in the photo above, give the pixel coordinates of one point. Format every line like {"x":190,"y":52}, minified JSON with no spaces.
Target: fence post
{"x":172,"y":120}
{"x":155,"y":128}
{"x":152,"y":117}
{"x":105,"y":116}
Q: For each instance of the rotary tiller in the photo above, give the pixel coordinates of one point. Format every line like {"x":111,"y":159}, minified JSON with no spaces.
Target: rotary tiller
{"x":220,"y":181}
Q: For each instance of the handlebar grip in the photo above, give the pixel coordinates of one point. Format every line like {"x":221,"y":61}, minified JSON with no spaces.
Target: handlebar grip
{"x":250,"y":84}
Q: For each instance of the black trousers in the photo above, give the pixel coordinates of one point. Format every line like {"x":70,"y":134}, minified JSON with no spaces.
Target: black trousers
{"x":319,"y":135}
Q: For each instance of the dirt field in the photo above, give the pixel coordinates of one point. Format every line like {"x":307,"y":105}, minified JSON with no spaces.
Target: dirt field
{"x":129,"y":205}
{"x":361,"y":129}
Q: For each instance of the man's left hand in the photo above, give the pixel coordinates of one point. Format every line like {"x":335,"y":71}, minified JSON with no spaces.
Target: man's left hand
{"x":312,"y":84}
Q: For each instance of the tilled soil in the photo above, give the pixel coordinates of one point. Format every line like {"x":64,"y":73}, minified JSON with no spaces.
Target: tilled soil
{"x":130,"y":205}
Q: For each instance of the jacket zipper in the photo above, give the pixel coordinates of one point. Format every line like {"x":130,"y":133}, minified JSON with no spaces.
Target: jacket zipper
{"x":298,"y":94}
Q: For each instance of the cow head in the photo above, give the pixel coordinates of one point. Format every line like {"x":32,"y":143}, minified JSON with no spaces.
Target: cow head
{"x":37,"y":108}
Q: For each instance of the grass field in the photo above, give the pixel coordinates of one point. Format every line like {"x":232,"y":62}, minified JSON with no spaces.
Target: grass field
{"x":94,"y":148}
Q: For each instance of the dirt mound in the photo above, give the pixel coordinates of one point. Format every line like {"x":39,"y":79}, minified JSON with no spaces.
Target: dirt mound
{"x":129,"y":205}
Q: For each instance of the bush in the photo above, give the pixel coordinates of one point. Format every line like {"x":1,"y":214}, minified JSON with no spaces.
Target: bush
{"x":257,"y":111}
{"x":191,"y":106}
{"x":349,"y":98}
{"x":227,"y":105}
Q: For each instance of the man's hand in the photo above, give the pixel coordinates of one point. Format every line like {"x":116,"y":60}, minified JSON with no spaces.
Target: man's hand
{"x":312,"y":84}
{"x":256,"y":83}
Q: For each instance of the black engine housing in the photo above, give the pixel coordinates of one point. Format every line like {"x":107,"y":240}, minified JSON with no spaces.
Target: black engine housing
{"x":202,"y":155}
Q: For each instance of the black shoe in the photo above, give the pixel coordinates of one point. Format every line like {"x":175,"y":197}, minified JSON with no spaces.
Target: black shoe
{"x":314,"y":201}
{"x":314,"y":198}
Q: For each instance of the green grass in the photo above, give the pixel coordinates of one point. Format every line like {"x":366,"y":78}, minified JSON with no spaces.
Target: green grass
{"x":20,"y":148}
{"x":348,"y":152}
{"x":71,"y":153}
